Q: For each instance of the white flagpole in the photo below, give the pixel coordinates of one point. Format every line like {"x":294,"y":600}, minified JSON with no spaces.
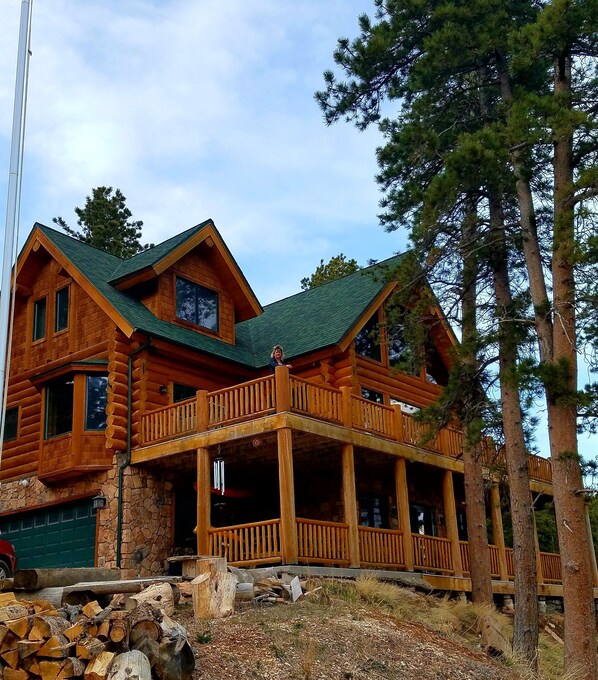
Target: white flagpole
{"x":13,"y":201}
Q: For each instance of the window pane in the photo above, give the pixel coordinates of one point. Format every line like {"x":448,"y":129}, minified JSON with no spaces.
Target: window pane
{"x":39,"y":320}
{"x":11,"y":423}
{"x":182,"y":392}
{"x":62,"y":309}
{"x":367,"y":340}
{"x":95,"y":403}
{"x":59,"y":407}
{"x":196,"y":304}
{"x":372,"y":395}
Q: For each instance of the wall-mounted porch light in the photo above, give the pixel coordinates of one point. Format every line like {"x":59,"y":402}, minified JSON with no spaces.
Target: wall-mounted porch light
{"x":99,"y":502}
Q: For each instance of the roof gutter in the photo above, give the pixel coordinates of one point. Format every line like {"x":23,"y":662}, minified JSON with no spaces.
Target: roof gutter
{"x":127,"y":461}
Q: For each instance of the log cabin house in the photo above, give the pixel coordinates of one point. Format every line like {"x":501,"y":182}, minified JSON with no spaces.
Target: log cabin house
{"x":143,"y":385}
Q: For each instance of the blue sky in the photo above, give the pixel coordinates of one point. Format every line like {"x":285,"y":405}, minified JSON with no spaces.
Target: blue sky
{"x":195,"y":110}
{"x":198,"y":109}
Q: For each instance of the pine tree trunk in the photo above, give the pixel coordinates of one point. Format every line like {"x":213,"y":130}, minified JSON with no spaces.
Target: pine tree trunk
{"x":477,"y":534}
{"x":580,"y":627}
{"x":525,"y":627}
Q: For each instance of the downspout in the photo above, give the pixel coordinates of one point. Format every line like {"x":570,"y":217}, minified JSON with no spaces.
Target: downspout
{"x":127,"y":461}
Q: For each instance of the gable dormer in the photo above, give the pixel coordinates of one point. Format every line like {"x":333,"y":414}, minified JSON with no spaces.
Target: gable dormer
{"x":192,"y":281}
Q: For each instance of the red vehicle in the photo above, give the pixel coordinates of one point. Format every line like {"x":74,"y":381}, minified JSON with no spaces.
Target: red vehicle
{"x":8,"y":559}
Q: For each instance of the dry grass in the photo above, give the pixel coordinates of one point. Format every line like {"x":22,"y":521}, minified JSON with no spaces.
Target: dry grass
{"x":455,"y":618}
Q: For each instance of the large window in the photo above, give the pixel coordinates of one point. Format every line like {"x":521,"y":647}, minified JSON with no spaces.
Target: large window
{"x":59,"y":407}
{"x":96,"y":396}
{"x":196,"y":304}
{"x":39,"y":319}
{"x":11,"y":424}
{"x":367,"y":341}
{"x":62,"y":310}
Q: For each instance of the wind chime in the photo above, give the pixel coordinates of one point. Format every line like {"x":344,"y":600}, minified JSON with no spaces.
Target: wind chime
{"x":218,"y":464}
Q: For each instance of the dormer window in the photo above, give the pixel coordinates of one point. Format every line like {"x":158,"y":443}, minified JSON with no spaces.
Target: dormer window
{"x":196,"y":304}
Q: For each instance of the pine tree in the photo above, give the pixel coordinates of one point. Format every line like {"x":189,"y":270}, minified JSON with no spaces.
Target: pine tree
{"x":105,"y":223}
{"x":337,"y":267}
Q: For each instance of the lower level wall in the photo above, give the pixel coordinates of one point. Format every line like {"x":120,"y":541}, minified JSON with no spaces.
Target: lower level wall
{"x":147,"y":514}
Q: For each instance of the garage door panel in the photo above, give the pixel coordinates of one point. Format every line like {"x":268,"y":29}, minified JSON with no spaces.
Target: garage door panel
{"x":59,"y":536}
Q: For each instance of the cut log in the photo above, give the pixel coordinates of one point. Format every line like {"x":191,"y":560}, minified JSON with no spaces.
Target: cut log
{"x":15,"y":674}
{"x":50,"y":669}
{"x":7,"y":598}
{"x":83,"y":592}
{"x":99,"y":668}
{"x":12,"y":611}
{"x":56,"y":647}
{"x":119,"y":627}
{"x":144,"y":623}
{"x":46,"y":626}
{"x":213,"y":595}
{"x":75,"y":631}
{"x":92,"y":609}
{"x":9,"y":642}
{"x":28,"y":647}
{"x":20,"y":627}
{"x":11,"y":658}
{"x":88,"y":647}
{"x":131,"y":665}
{"x":160,"y":595}
{"x":36,"y":579}
{"x":72,"y":668}
{"x":103,"y":631}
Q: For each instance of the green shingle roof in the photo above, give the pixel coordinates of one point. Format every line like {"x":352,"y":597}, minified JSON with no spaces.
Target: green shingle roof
{"x":302,"y":323}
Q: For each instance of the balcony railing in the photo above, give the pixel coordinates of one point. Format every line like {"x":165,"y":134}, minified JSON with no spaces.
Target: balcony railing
{"x":381,"y":547}
{"x":273,"y":394}
{"x":322,"y":542}
{"x":247,"y":544}
{"x":431,"y":553}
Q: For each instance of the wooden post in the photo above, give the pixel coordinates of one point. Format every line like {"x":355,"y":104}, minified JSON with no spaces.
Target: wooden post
{"x":203,"y":415}
{"x":498,"y":534}
{"x":288,"y":523}
{"x":398,"y":422}
{"x":591,"y":549}
{"x":204,"y":500}
{"x":450,"y":517}
{"x":403,"y":511}
{"x":283,"y":389}
{"x":350,"y":503}
{"x":346,"y":392}
{"x":539,"y":570}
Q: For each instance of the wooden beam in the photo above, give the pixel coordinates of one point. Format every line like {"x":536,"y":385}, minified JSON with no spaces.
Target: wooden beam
{"x":450,"y":517}
{"x":283,"y":389}
{"x":403,"y":511}
{"x":288,"y":524}
{"x":204,"y":500}
{"x":350,"y":503}
{"x":498,"y":534}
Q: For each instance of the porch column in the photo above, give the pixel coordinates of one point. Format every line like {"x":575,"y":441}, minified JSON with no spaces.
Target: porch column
{"x":403,"y":511}
{"x":450,"y":517}
{"x":288,"y":523}
{"x":283,"y":389}
{"x":204,"y":491}
{"x":498,"y":534}
{"x":591,"y":549}
{"x":350,"y":503}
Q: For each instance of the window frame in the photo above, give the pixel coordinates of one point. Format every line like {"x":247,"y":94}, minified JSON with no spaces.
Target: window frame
{"x":62,"y":329}
{"x":37,"y":305}
{"x":176,"y":385}
{"x":194,"y":322}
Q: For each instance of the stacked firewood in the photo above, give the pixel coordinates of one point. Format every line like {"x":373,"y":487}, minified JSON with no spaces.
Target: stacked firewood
{"x":90,"y":642}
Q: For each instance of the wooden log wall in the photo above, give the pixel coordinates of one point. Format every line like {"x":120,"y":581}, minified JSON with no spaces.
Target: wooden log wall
{"x":116,"y":408}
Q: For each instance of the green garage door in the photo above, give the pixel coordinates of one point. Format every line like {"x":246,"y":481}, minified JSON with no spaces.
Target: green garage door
{"x":58,"y":536}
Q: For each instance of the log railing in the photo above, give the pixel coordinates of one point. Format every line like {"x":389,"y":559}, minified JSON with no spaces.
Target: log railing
{"x":241,"y":402}
{"x":380,"y":548}
{"x":432,"y":553}
{"x":322,"y":542}
{"x":551,"y":567}
{"x":257,"y":398}
{"x":247,"y":544}
{"x":494,"y":558}
{"x":374,"y":418}
{"x":170,"y":421}
{"x":314,"y":399}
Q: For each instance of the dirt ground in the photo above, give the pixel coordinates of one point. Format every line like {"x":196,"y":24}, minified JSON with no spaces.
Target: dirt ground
{"x":328,"y":641}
